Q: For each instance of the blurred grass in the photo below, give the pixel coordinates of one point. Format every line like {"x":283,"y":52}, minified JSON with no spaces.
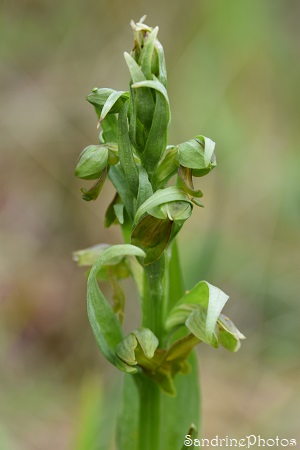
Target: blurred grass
{"x":233,"y":75}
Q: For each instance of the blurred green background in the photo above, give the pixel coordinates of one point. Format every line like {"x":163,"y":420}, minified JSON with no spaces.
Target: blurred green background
{"x":234,"y":71}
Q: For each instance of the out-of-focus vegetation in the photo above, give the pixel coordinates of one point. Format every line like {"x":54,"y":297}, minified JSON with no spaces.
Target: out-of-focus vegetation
{"x":242,"y":59}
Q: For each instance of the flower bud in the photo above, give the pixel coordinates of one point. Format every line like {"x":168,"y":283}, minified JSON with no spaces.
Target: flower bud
{"x":92,"y":160}
{"x":197,"y":154}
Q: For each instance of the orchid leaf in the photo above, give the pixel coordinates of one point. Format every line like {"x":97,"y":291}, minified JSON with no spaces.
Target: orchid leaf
{"x":88,"y":256}
{"x":117,"y":177}
{"x":119,"y":211}
{"x":125,"y":152}
{"x":143,"y":98}
{"x":135,"y":70}
{"x":158,"y":86}
{"x":107,"y":101}
{"x":105,"y":325}
{"x":117,"y":267}
{"x":128,"y":420}
{"x":157,"y":138}
{"x":161,"y":63}
{"x":145,"y":187}
{"x":118,"y":297}
{"x":167,"y":168}
{"x":147,"y":53}
{"x":160,"y":197}
{"x":184,"y":406}
{"x":110,"y":128}
{"x":113,"y":104}
{"x":98,"y":97}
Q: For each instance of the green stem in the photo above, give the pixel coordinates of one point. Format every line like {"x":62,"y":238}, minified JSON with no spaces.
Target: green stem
{"x":149,"y":414}
{"x":155,"y":297}
{"x":153,"y":308}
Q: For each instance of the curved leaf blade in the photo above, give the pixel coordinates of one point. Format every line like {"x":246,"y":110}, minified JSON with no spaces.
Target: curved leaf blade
{"x":147,"y":52}
{"x":160,"y":197}
{"x":162,"y":63}
{"x":143,"y":98}
{"x":111,"y":103}
{"x":158,"y":86}
{"x":105,"y":325}
{"x":125,"y":152}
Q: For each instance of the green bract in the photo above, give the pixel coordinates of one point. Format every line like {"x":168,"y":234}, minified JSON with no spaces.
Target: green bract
{"x":154,"y":196}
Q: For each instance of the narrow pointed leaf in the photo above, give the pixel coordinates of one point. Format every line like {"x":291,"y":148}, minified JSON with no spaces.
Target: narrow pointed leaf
{"x":117,"y":177}
{"x":110,"y":128}
{"x":158,"y":136}
{"x":119,"y":211}
{"x":167,"y":168}
{"x":158,"y":86}
{"x":185,"y":407}
{"x":125,"y":152}
{"x":144,"y":102}
{"x":134,"y":69}
{"x":145,"y":188}
{"x":113,"y":103}
{"x":147,"y":53}
{"x":162,"y":63}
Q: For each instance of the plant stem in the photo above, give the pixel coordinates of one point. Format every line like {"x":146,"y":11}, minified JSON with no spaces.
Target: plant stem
{"x":155,"y":297}
{"x":153,"y":309}
{"x":149,"y":414}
